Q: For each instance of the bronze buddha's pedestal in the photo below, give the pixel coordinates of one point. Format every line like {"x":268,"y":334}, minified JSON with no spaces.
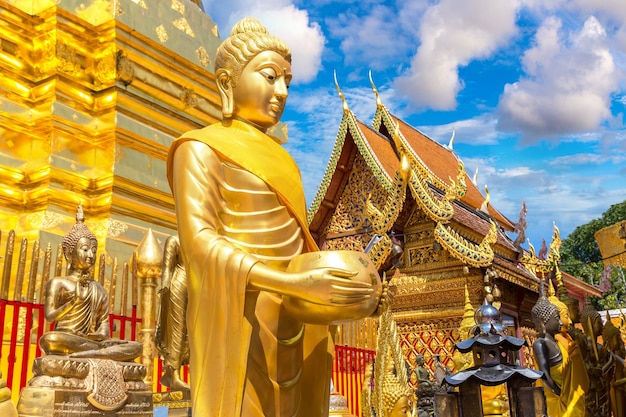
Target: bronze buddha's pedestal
{"x":173,"y":403}
{"x":75,"y":387}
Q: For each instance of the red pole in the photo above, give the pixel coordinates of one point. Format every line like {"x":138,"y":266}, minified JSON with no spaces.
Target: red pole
{"x":123,"y":327}
{"x":3,"y":309}
{"x":40,"y":327}
{"x":26,"y":344}
{"x":133,"y":323}
{"x":159,"y":373}
{"x":11,"y":359}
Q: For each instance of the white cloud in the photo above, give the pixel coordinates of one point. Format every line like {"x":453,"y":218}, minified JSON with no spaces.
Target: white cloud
{"x":480,"y":130}
{"x":588,"y":158}
{"x":283,"y":20}
{"x":567,"y":87}
{"x":373,"y":39}
{"x":612,"y":9}
{"x":452,"y":34}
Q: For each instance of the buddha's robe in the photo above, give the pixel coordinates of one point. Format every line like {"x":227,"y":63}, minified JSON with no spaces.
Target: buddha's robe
{"x":571,"y":376}
{"x":89,"y":315}
{"x":239,"y":200}
{"x":88,"y":318}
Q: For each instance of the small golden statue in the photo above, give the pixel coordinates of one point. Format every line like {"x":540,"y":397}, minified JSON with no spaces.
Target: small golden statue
{"x":613,"y":341}
{"x":79,"y":305}
{"x":600,"y":363}
{"x":243,"y":229}
{"x":171,"y":332}
{"x":85,"y":372}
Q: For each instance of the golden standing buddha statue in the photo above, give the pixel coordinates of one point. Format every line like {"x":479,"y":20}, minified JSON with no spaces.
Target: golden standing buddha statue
{"x":599,"y":361}
{"x":241,"y":216}
{"x":576,"y":383}
{"x":79,"y":305}
{"x":171,"y":331}
{"x":613,"y":341}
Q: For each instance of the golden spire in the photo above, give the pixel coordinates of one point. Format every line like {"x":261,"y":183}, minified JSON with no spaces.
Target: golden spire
{"x":379,"y":103}
{"x":149,"y":253}
{"x":341,"y":96}
{"x":451,"y":142}
{"x":485,"y":205}
{"x":468,"y":316}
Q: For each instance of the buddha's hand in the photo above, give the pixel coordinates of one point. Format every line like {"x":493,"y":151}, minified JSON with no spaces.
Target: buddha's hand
{"x":98,"y":337}
{"x":331,"y":286}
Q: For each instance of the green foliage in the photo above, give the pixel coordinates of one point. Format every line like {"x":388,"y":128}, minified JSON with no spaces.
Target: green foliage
{"x":580,"y":256}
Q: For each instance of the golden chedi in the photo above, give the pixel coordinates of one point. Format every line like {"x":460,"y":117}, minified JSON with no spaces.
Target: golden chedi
{"x":241,"y":217}
{"x":84,"y":372}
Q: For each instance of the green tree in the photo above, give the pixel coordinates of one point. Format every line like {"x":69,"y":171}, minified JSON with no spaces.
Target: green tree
{"x":580,"y":257}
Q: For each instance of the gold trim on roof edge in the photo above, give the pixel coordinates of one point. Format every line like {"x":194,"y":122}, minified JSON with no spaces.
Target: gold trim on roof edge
{"x":437,"y":209}
{"x":535,"y":265}
{"x":349,"y":123}
{"x":475,"y":255}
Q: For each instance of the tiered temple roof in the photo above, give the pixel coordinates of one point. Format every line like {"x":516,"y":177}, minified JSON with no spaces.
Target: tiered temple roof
{"x":451,"y":235}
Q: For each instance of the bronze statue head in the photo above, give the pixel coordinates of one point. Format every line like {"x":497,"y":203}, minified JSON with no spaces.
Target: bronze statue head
{"x":546,"y":316}
{"x":79,"y":231}
{"x":591,"y":320}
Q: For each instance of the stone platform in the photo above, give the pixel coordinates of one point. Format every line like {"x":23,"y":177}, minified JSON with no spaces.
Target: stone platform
{"x":76,"y":387}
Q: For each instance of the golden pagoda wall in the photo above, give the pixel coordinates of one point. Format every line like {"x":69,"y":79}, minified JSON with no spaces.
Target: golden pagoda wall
{"x":612,"y":245}
{"x":92,"y":94}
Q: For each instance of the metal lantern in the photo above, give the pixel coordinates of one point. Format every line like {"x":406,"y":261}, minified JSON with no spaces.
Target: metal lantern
{"x":493,"y":355}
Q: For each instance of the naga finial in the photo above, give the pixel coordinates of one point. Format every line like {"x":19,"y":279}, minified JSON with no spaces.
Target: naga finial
{"x":379,"y":102}
{"x":484,"y":207}
{"x":341,"y":96}
{"x":451,"y":142}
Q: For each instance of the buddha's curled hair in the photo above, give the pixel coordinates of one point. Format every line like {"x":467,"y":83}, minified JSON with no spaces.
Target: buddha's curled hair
{"x":247,"y":39}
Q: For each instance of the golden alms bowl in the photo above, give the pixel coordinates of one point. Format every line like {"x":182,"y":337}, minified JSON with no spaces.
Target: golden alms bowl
{"x":353,"y":261}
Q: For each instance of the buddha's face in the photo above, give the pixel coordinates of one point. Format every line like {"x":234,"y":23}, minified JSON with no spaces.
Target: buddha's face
{"x":565,"y":319}
{"x":402,"y":407}
{"x":574,"y":310}
{"x":84,"y":253}
{"x":598,"y":326}
{"x":260,"y":93}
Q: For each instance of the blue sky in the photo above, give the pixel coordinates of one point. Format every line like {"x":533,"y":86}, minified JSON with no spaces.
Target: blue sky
{"x":535,"y":90}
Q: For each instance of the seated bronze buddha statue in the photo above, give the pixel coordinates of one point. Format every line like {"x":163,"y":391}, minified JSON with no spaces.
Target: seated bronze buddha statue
{"x":79,"y":305}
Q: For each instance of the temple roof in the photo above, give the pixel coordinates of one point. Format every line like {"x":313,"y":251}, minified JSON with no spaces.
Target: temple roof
{"x":467,"y":226}
{"x":443,"y":163}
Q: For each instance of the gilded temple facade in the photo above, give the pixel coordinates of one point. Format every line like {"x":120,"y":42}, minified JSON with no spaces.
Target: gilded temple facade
{"x":92,"y":94}
{"x":451,"y":236}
